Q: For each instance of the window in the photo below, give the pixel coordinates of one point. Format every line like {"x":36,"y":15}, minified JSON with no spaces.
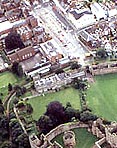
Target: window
{"x":30,"y":54}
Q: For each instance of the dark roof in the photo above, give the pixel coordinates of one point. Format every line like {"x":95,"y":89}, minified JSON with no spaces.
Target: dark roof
{"x":79,"y":15}
{"x":76,"y":15}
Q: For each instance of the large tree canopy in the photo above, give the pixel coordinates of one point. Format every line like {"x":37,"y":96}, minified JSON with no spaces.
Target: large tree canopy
{"x":56,"y":110}
{"x":13,"y":41}
{"x":45,"y":124}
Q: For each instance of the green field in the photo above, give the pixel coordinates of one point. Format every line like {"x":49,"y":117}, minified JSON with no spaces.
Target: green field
{"x":67,"y":95}
{"x":84,"y":139}
{"x":102,"y":96}
{"x":5,"y":79}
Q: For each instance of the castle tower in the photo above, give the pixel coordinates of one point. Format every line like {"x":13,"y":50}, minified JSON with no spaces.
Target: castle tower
{"x":69,"y":139}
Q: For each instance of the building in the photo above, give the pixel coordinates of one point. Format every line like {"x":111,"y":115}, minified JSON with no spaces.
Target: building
{"x":98,"y":11}
{"x":52,"y":51}
{"x":82,"y":18}
{"x":22,"y":54}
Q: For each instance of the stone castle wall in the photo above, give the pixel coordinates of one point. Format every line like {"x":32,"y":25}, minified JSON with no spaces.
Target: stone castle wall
{"x":64,"y":127}
{"x":53,"y":133}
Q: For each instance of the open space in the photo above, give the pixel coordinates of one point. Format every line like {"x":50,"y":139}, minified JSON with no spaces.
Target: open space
{"x":102,"y":96}
{"x":84,"y":139}
{"x":5,"y":79}
{"x":67,"y":95}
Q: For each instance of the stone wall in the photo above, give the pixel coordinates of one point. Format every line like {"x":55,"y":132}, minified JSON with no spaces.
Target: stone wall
{"x":64,"y":127}
{"x":104,"y":68}
{"x":111,"y":137}
{"x":99,"y":143}
{"x":53,"y":133}
{"x":105,"y":71}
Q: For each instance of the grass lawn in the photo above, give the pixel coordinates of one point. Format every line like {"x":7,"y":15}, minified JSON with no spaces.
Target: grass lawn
{"x":67,"y":95}
{"x":102,"y":96}
{"x":5,"y":79}
{"x":27,"y":94}
{"x":84,"y":139}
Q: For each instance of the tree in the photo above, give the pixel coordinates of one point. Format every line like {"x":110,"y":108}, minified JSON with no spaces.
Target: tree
{"x":10,"y":87}
{"x":15,"y":101}
{"x":4,"y":127}
{"x":18,"y":90}
{"x":56,"y":112}
{"x":70,"y":112}
{"x":17,"y":69}
{"x":20,"y":71}
{"x":88,"y":70}
{"x":14,"y":67}
{"x":0,"y":101}
{"x":79,"y":84}
{"x":75,"y":65}
{"x":87,"y":116}
{"x":101,"y":54}
{"x":13,"y":41}
{"x":23,"y":90}
{"x":45,"y":124}
{"x":6,"y":144}
{"x":21,"y":104}
{"x":68,"y":104}
{"x":23,"y":141}
{"x":29,"y":108}
{"x":1,"y":109}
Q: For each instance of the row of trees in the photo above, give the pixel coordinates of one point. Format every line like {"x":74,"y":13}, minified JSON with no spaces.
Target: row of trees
{"x":18,"y":137}
{"x":4,"y":126}
{"x":18,"y":89}
{"x":11,"y":133}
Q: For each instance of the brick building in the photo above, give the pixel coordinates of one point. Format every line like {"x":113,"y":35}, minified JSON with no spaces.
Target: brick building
{"x":22,"y":54}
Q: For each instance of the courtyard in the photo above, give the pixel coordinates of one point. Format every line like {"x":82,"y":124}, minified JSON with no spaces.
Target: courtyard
{"x":102,"y":96}
{"x":84,"y":139}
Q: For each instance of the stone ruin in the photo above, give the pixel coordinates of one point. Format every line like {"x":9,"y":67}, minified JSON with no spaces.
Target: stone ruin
{"x":105,"y":132}
{"x":111,"y":134}
{"x":69,"y":139}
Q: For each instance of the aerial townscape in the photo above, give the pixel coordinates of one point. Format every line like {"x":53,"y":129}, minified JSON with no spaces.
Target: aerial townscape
{"x":58,"y":73}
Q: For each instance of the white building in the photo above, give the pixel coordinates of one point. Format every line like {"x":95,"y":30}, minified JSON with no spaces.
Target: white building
{"x":81,"y":19}
{"x":98,"y":11}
